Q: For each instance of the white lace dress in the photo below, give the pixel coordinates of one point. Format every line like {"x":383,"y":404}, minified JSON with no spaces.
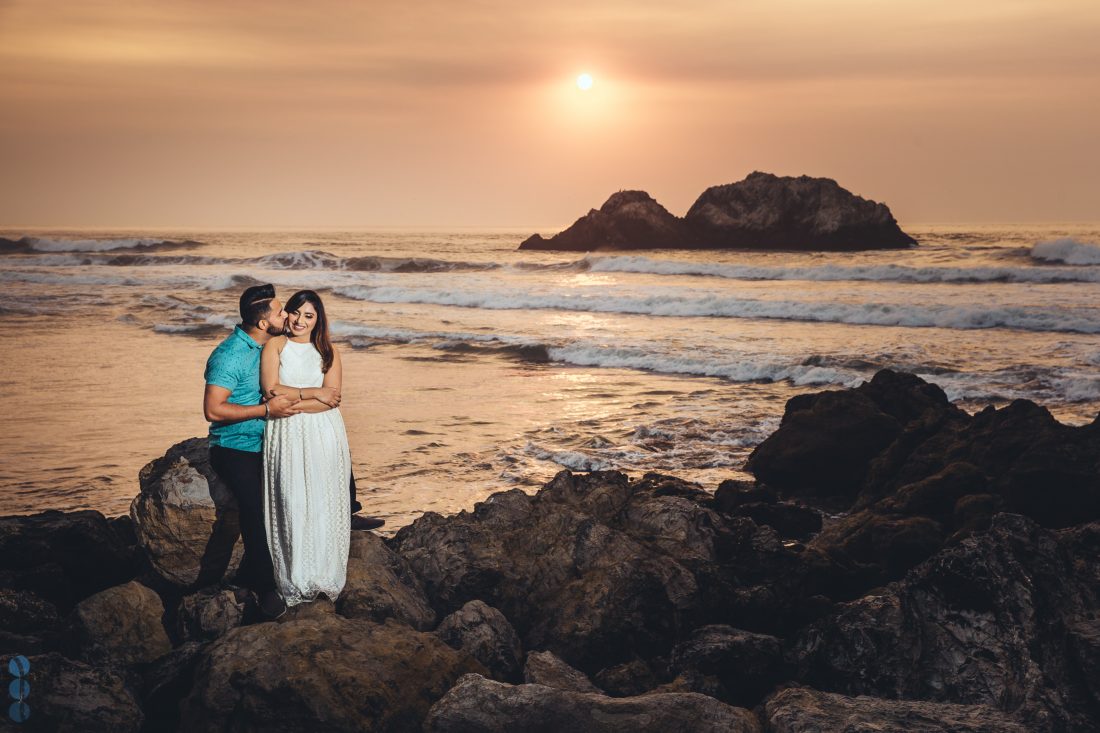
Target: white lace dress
{"x":307,"y":507}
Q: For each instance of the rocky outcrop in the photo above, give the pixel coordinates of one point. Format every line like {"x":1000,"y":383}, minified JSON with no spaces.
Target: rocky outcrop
{"x":28,"y":623}
{"x":981,"y":623}
{"x":325,"y":672}
{"x":63,"y":557}
{"x":601,"y":570}
{"x":627,"y":220}
{"x":900,"y":565}
{"x":827,"y":440}
{"x":485,"y":634}
{"x":72,"y":696}
{"x":380,"y":585}
{"x":803,"y":710}
{"x":186,"y":519}
{"x":479,"y":705}
{"x":763,"y":211}
{"x":767,"y":211}
{"x":164,"y":684}
{"x":913,"y":473}
{"x":120,"y":626}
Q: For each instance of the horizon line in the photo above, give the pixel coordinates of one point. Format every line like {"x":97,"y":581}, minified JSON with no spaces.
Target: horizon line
{"x":455,"y":227}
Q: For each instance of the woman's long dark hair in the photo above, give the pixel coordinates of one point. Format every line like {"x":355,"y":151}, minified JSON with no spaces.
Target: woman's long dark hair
{"x":319,"y":336}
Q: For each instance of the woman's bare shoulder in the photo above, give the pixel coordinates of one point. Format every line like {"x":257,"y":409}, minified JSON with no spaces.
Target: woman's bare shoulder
{"x":275,"y":343}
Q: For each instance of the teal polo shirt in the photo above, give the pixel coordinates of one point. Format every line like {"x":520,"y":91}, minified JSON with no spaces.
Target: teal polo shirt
{"x":235,"y":365}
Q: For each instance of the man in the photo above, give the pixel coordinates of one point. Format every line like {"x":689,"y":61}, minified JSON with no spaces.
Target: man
{"x":233,"y":406}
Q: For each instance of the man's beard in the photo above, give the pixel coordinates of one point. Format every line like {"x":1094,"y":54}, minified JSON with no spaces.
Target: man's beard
{"x":273,"y":330}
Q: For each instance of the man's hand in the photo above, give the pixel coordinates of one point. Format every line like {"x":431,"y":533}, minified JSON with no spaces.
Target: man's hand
{"x":329,"y":395}
{"x":282,"y":406}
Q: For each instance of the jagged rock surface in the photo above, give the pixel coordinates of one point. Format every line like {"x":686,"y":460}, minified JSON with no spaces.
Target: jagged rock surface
{"x":210,"y":613}
{"x":380,"y":585}
{"x":801,"y":710}
{"x":600,"y":570}
{"x":63,"y":557}
{"x":67,"y":695}
{"x":784,"y":212}
{"x":627,"y":220}
{"x":983,"y":622}
{"x":186,"y":519}
{"x":485,"y":634}
{"x":323,"y":672}
{"x":480,"y":705}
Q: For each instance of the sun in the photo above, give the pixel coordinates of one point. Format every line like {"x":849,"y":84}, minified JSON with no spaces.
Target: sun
{"x":584,"y":82}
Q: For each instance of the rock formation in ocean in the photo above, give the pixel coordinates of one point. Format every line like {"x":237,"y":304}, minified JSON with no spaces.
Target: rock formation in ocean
{"x":763,"y":211}
{"x":898,"y":565}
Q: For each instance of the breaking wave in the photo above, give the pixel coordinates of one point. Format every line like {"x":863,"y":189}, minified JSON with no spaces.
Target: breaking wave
{"x":842,"y":273}
{"x":61,"y":244}
{"x":1068,"y":251}
{"x":1024,"y":318}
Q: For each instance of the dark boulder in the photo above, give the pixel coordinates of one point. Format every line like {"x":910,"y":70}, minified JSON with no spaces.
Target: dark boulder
{"x":1036,"y":465}
{"x":63,"y":557}
{"x":186,"y":519}
{"x":67,"y":695}
{"x":120,"y":626}
{"x":380,"y":585}
{"x":827,"y":441}
{"x":29,"y":624}
{"x":747,"y":665}
{"x":887,"y":546}
{"x":322,"y":672}
{"x":482,"y":632}
{"x":980,"y":623}
{"x":601,"y":570}
{"x":803,"y":710}
{"x":479,"y":705}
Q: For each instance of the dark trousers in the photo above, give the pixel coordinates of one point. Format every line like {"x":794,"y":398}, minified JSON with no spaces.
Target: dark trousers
{"x":355,"y":505}
{"x":242,"y":473}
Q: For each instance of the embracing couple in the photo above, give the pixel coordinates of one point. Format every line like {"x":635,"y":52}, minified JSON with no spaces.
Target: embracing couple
{"x":278,"y":442}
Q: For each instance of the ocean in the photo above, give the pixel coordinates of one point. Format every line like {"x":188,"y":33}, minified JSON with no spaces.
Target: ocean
{"x":471,"y":367}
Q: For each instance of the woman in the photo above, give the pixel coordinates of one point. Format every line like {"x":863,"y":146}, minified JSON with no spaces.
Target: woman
{"x":306,"y":459}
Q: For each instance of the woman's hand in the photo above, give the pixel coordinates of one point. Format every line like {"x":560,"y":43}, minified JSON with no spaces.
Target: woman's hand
{"x":328,"y":395}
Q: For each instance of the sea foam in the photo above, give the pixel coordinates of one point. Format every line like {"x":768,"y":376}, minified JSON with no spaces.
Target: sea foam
{"x":62,"y":244}
{"x":702,"y":304}
{"x":840,"y":273}
{"x":1067,"y":250}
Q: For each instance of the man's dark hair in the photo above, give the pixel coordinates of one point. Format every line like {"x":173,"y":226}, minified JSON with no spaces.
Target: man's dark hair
{"x":256,"y":304}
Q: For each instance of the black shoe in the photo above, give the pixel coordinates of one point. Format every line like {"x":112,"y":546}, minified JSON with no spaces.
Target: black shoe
{"x":271,"y":605}
{"x":358,"y":522}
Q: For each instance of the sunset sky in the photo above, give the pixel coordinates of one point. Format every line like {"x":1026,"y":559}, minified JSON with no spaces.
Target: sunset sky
{"x":329,"y":114}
